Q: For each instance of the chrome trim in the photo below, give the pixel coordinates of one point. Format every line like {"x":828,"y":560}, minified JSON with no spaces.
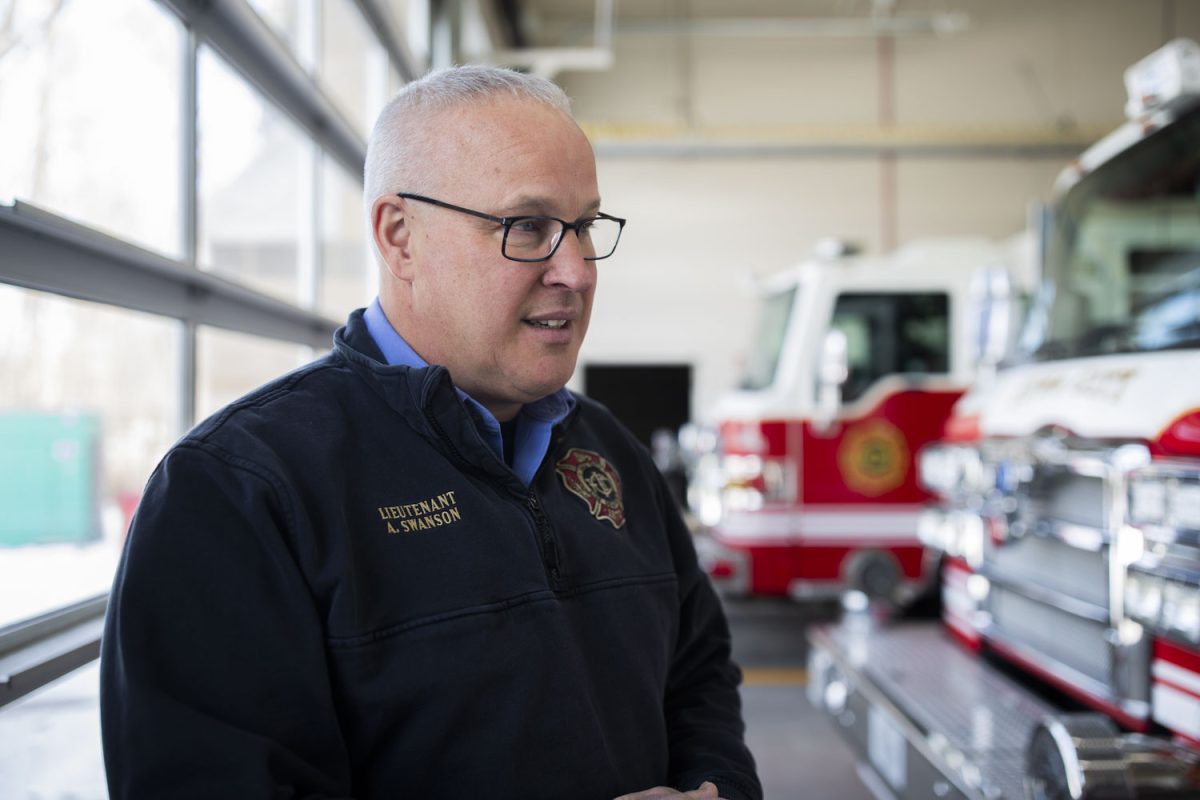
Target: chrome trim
{"x":1081,"y":537}
{"x":1040,"y":594}
{"x":1138,"y":709}
{"x":1170,"y":468}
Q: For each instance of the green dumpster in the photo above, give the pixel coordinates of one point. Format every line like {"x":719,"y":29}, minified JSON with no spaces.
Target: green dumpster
{"x":49,"y":478}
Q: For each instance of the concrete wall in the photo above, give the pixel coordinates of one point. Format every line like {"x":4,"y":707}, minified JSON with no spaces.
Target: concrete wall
{"x":731,"y":155}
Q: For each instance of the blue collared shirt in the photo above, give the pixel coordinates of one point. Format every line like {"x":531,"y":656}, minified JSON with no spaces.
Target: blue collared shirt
{"x":534,"y":422}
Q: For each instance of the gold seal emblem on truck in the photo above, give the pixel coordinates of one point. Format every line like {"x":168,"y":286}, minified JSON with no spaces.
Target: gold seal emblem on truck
{"x":873,"y":457}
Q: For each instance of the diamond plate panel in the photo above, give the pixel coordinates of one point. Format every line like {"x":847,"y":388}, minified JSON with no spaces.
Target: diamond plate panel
{"x":968,"y":711}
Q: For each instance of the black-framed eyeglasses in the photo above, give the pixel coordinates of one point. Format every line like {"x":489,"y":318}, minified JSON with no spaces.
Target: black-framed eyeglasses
{"x":531,"y":239}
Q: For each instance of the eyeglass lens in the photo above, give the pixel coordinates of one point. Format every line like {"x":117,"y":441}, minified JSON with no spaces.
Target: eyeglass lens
{"x":531,"y":238}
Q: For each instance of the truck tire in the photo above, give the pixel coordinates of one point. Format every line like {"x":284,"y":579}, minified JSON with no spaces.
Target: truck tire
{"x":875,"y":573}
{"x":1076,"y":757}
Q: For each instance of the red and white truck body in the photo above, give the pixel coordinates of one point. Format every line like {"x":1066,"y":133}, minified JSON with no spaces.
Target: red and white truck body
{"x":1072,"y":496}
{"x":1069,"y":506}
{"x":811,"y":486}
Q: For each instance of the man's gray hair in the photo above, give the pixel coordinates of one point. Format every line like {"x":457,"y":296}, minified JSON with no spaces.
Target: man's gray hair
{"x":397,"y":152}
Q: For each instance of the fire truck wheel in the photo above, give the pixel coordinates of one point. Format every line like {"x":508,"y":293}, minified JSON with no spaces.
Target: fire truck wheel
{"x":875,"y":573}
{"x":1076,"y":757}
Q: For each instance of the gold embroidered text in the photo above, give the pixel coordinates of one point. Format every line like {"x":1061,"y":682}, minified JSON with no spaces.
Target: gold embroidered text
{"x":435,"y":512}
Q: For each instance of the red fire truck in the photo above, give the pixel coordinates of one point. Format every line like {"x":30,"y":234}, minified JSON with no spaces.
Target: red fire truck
{"x":809,"y":483}
{"x":1069,"y":511}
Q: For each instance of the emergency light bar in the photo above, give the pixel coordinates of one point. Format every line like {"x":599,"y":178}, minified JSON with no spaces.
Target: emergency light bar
{"x":1163,"y":79}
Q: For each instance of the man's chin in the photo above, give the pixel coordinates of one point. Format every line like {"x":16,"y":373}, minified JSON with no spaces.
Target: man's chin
{"x":520,"y":391}
{"x":534,"y":388}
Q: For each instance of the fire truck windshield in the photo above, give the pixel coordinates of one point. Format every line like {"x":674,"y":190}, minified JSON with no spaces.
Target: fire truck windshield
{"x":892,"y":333}
{"x":768,"y":343}
{"x":1122,"y":269}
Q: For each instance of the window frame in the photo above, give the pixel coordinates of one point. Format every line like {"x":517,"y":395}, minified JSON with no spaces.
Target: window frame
{"x":49,"y":253}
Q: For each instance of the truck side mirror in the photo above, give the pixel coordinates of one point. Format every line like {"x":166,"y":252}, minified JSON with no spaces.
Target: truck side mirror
{"x":999,"y":292}
{"x":994,"y":316}
{"x":832,"y":370}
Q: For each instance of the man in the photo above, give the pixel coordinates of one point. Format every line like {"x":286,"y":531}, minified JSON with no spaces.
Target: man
{"x":419,"y":567}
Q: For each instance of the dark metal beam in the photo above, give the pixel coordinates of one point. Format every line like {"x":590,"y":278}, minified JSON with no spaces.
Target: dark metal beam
{"x":36,"y":651}
{"x":47,"y":253}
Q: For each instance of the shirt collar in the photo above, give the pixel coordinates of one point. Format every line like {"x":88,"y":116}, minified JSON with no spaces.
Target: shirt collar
{"x":396,"y":351}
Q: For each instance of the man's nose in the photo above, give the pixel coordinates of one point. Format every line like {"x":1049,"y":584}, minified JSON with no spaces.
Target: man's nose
{"x":568,"y":268}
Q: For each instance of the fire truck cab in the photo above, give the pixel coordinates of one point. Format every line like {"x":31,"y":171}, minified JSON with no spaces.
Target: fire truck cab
{"x":1068,"y":509}
{"x":808,"y":485}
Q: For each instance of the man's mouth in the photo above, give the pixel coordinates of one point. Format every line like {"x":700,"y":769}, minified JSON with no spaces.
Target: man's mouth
{"x":547,"y":323}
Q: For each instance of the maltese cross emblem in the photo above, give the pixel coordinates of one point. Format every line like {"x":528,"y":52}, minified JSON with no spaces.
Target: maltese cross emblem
{"x":594,"y":481}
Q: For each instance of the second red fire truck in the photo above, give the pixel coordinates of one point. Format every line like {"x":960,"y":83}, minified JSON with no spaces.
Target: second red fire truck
{"x":809,"y":484}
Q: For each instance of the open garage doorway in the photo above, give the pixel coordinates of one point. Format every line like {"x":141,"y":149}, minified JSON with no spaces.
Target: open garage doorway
{"x":647,"y":398}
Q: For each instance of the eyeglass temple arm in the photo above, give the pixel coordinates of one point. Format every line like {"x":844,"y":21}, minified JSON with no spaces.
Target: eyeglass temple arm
{"x":423,"y":199}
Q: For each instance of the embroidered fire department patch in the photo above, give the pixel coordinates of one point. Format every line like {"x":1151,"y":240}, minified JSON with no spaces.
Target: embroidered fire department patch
{"x":592,"y":479}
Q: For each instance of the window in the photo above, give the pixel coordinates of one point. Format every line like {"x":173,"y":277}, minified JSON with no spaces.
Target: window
{"x":772,"y":328}
{"x":71,"y":142}
{"x":353,"y":64}
{"x":88,"y":406}
{"x":414,"y":18}
{"x":291,"y":22}
{"x":230,"y":364}
{"x":1122,"y":272}
{"x":255,"y":203}
{"x":349,"y":277}
{"x":889,"y":334}
{"x":1165,"y":296}
{"x":92,"y":118}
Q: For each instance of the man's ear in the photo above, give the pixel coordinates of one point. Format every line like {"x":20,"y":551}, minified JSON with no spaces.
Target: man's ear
{"x":392,"y":232}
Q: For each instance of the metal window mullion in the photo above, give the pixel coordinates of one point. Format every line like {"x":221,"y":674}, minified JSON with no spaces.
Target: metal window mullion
{"x":309,"y":34}
{"x":189,"y":144}
{"x":189,"y":128}
{"x":187,"y":376}
{"x":311,"y":215}
{"x":311,"y":263}
{"x":445,"y":25}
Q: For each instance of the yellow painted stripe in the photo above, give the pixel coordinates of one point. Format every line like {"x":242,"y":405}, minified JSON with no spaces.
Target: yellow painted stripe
{"x":777,"y":676}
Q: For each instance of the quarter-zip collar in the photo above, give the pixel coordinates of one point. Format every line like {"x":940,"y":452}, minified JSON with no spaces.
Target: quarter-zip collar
{"x":428,"y":400}
{"x":533,"y":424}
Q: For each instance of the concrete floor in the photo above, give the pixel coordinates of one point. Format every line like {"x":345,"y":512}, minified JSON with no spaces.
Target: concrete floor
{"x":800,"y":754}
{"x":51,"y":739}
{"x":51,"y":742}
